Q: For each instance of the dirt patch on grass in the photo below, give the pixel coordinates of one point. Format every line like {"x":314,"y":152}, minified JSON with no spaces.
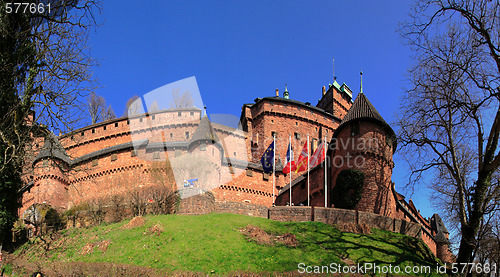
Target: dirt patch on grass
{"x":87,"y":249}
{"x":156,"y":229}
{"x":254,"y":233}
{"x":135,"y":222}
{"x":103,"y":245}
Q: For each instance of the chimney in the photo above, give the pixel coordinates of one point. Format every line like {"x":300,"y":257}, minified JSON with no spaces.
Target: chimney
{"x":277,"y":93}
{"x":324,"y":90}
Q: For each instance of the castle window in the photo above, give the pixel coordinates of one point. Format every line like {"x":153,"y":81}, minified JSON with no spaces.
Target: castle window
{"x":93,"y":131}
{"x":187,"y":135}
{"x":234,"y":153}
{"x":273,"y":134}
{"x":249,"y":172}
{"x":272,"y":121}
{"x":191,"y":113}
{"x":104,"y":128}
{"x":140,"y":119}
{"x":153,"y":117}
{"x":314,"y":145}
{"x":296,"y":123}
{"x":355,"y":129}
{"x":128,"y":121}
{"x":179,"y":114}
{"x":114,"y":157}
{"x":133,"y":153}
{"x":116,"y":124}
{"x":83,"y":133}
{"x":203,"y":146}
{"x":265,"y":176}
{"x":297,"y":136}
{"x":72,"y":138}
{"x":171,"y":135}
{"x":95,"y":162}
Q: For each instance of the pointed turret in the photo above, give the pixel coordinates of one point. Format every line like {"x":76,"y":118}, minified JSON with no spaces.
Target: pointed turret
{"x":52,"y":148}
{"x":205,"y":132}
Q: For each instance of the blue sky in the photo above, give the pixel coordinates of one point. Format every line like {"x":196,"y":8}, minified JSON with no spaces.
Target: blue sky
{"x":240,"y":50}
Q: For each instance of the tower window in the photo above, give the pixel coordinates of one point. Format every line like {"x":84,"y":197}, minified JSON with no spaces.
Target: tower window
{"x":116,"y":124}
{"x":179,"y":113}
{"x":355,"y":129}
{"x":273,"y":134}
{"x":297,"y":135}
{"x":187,"y":135}
{"x":104,"y":128}
{"x":171,"y":135}
{"x":93,"y":131}
{"x":153,"y":117}
{"x":191,"y":113}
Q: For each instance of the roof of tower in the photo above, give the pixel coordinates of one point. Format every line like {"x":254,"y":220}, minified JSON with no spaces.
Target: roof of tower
{"x":52,"y":148}
{"x":438,"y":224}
{"x":205,"y":131}
{"x":363,"y":109}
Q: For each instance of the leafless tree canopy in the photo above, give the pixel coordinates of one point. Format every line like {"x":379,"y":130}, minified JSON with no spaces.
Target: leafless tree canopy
{"x":450,"y":116}
{"x":133,"y":106}
{"x":97,"y":110}
{"x":45,"y":67}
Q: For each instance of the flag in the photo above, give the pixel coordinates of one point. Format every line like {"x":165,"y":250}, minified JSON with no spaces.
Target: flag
{"x":302,"y":162}
{"x":318,"y":156}
{"x":289,"y":162}
{"x":267,"y":159}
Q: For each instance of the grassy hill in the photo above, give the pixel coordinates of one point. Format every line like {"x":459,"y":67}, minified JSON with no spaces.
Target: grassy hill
{"x":213,"y":244}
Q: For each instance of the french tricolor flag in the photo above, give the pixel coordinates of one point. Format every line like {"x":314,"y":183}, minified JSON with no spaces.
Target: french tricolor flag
{"x":289,"y":162}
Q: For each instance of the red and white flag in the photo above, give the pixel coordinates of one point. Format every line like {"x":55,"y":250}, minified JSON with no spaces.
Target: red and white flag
{"x":303,"y":158}
{"x":318,"y":156}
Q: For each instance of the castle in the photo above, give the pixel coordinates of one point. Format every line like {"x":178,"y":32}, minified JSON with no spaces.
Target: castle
{"x":115,"y":156}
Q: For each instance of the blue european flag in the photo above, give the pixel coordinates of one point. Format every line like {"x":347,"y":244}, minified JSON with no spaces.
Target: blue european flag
{"x":267,"y":159}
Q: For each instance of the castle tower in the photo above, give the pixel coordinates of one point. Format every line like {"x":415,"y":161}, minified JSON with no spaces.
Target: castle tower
{"x":49,"y":168}
{"x":205,"y":147}
{"x":365,"y":142}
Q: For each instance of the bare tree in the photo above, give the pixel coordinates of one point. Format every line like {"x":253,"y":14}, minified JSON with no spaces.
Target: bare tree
{"x":95,"y":106}
{"x":44,"y":77}
{"x":108,"y":114}
{"x":154,"y":107}
{"x":181,"y":101}
{"x":450,"y":123}
{"x":133,"y":106}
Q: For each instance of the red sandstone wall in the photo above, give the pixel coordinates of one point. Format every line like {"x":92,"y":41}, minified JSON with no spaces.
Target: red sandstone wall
{"x":286,"y":119}
{"x":370,"y":153}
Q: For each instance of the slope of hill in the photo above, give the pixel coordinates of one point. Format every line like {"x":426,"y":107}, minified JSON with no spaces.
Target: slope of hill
{"x":218,"y":244}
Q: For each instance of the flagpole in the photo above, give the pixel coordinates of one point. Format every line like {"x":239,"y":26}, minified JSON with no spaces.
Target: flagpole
{"x":290,"y":165}
{"x":308,"y":188}
{"x":326,"y":187}
{"x":274,"y":164}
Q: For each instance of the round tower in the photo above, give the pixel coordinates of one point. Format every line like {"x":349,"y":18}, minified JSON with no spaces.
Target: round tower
{"x":363,"y":146}
{"x":50,"y":179}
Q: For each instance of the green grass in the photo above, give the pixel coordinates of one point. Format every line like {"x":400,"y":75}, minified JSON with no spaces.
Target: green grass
{"x":213,"y":244}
